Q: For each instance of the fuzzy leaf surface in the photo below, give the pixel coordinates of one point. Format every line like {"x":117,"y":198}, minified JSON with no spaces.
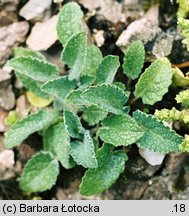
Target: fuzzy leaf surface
{"x":73,"y":124}
{"x":157,"y":137}
{"x":24,"y":52}
{"x":57,"y":141}
{"x":69,"y":22}
{"x":59,"y":87}
{"x":107,"y":97}
{"x":134,"y":60}
{"x":34,"y":68}
{"x":83,"y":153}
{"x":93,"y":59}
{"x":107,"y":69}
{"x":110,"y":165}
{"x":40,"y":173}
{"x":75,"y":97}
{"x":93,"y":115}
{"x":32,"y":85}
{"x":120,"y":130}
{"x":154,"y":82}
{"x":36,"y":101}
{"x":32,"y":123}
{"x":74,"y":54}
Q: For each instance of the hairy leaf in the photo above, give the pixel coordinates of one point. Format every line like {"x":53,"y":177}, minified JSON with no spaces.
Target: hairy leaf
{"x":40,"y":173}
{"x":179,"y":79}
{"x":32,"y":85}
{"x":93,"y":115}
{"x":74,"y":54}
{"x":154,"y":82}
{"x":157,"y":137}
{"x":134,"y":60}
{"x":73,"y":124}
{"x":107,"y":97}
{"x":34,"y":68}
{"x":57,"y":141}
{"x":69,"y":22}
{"x":107,"y":69}
{"x":120,"y":130}
{"x":59,"y":87}
{"x":23,"y":52}
{"x":110,"y":165}
{"x":75,"y":97}
{"x":37,"y":101}
{"x":93,"y":59}
{"x":84,"y":152}
{"x":85,"y":82}
{"x":32,"y":123}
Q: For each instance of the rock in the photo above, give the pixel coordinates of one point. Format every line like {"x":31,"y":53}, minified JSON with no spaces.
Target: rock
{"x":43,"y":35}
{"x":7,"y":97}
{"x":109,"y":9}
{"x":144,"y":29}
{"x":99,"y":37}
{"x":138,"y":168}
{"x":163,"y":45}
{"x":3,"y":115}
{"x":35,"y":9}
{"x":160,"y":188}
{"x":10,"y":37}
{"x":7,"y":18}
{"x":7,"y":158}
{"x":9,"y":5}
{"x":4,"y":75}
{"x":174,"y":163}
{"x":153,"y":158}
{"x":134,"y":189}
{"x":22,"y":106}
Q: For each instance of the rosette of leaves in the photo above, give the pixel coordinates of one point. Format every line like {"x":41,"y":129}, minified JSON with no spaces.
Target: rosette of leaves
{"x":88,"y":98}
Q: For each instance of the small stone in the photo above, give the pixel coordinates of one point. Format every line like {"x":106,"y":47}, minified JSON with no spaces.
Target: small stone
{"x":35,"y":9}
{"x":99,"y":37}
{"x":7,"y":158}
{"x":10,"y":37}
{"x":153,"y":158}
{"x":43,"y":35}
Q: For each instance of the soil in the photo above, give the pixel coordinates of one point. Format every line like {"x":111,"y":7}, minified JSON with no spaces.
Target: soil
{"x":170,"y":180}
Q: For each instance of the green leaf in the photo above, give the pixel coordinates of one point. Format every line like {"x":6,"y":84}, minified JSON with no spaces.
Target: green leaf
{"x":40,"y":173}
{"x":84,"y":152}
{"x":179,"y":79}
{"x":34,"y":68}
{"x":107,"y":69}
{"x":134,"y":60}
{"x":69,"y":22}
{"x":93,"y":115}
{"x":36,"y":101}
{"x":120,"y":85}
{"x":75,"y":97}
{"x":23,"y":52}
{"x":57,"y":141}
{"x":85,"y":82}
{"x":59,"y":87}
{"x":120,"y":130}
{"x":93,"y":59}
{"x":110,"y":165}
{"x":107,"y":97}
{"x":74,"y":54}
{"x":32,"y":85}
{"x":32,"y":123}
{"x":154,"y":82}
{"x":12,"y":118}
{"x":73,"y":124}
{"x":157,"y":137}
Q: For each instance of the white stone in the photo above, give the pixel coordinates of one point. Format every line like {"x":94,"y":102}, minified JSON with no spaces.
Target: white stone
{"x":153,"y":158}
